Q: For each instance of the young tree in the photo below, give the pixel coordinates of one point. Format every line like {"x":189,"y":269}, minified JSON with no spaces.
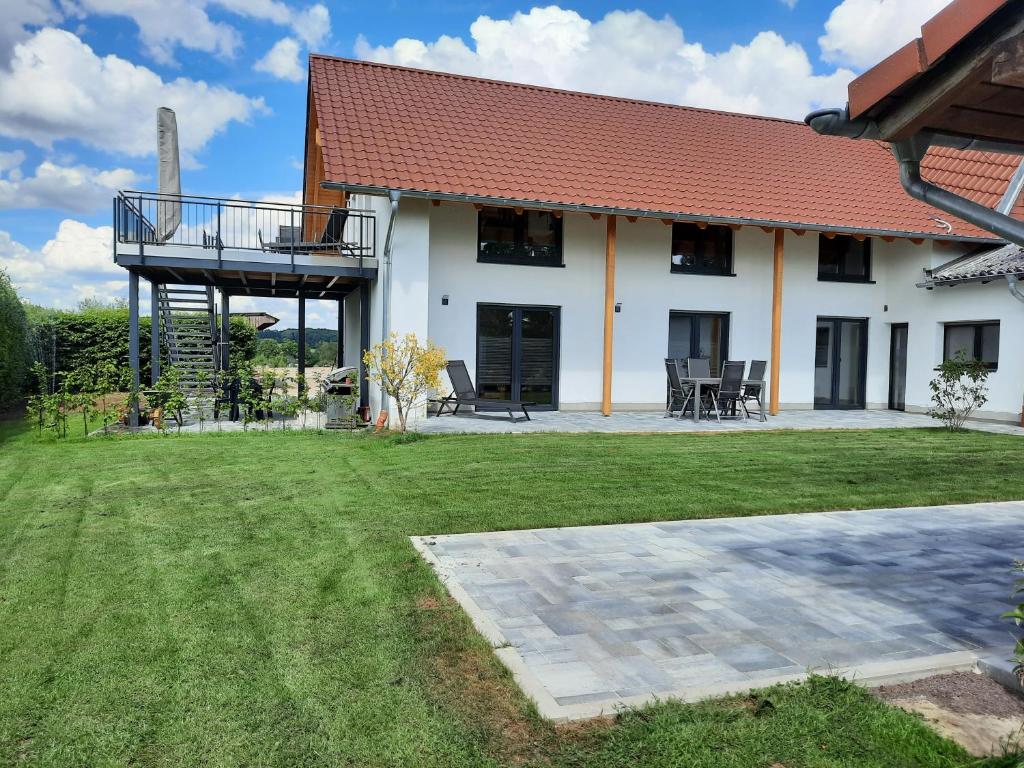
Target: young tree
{"x":405,"y":370}
{"x":960,"y":388}
{"x":171,"y":396}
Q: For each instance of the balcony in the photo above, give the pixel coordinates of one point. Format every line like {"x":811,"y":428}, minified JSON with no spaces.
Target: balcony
{"x":259,"y":248}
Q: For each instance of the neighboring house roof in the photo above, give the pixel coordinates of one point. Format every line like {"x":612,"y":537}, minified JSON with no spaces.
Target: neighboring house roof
{"x":258,"y":320}
{"x":978,"y":267}
{"x":961,"y":77}
{"x":443,"y":135}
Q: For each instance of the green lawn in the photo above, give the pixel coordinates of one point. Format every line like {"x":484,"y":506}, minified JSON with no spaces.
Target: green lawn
{"x":252,"y":599}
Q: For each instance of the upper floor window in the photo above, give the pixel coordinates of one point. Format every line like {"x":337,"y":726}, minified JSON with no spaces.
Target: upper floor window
{"x":844,"y":258}
{"x":698,"y":251}
{"x":531,"y":237}
{"x":972,"y":341}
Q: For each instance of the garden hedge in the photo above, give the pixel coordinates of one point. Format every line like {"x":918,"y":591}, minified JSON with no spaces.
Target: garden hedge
{"x":65,"y":341}
{"x":14,"y":348}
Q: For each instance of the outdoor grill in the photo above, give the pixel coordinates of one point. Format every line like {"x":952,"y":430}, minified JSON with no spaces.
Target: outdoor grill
{"x":338,"y":388}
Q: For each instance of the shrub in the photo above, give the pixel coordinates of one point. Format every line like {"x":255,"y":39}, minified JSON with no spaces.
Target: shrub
{"x":960,"y":388}
{"x":405,"y":371}
{"x":14,"y":348}
{"x":1017,"y":615}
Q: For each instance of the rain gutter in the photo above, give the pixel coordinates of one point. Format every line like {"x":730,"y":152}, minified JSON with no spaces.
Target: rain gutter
{"x":738,"y":221}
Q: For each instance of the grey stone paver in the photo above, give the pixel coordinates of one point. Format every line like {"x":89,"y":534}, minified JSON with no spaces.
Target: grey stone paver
{"x":649,"y":421}
{"x":605,"y":614}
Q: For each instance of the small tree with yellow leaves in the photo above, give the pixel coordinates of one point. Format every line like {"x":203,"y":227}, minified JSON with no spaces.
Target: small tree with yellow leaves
{"x":405,"y":370}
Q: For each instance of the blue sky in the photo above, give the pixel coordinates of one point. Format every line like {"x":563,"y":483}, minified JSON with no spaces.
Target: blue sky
{"x":79,"y":83}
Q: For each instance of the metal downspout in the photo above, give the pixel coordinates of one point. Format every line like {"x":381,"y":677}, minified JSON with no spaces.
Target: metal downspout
{"x":909,"y":154}
{"x":394,"y":196}
{"x":1009,"y":200}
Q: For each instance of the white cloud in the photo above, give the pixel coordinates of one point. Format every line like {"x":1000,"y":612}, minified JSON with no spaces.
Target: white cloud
{"x":58,"y":88}
{"x":312,"y":25}
{"x":628,"y":53}
{"x":17,"y":15}
{"x":861,"y":33}
{"x":282,"y":61}
{"x":77,"y":263}
{"x":166,"y":24}
{"x":77,"y":188}
{"x":791,"y":4}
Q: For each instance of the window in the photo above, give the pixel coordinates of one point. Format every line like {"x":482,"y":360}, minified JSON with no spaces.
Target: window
{"x":974,"y":341}
{"x":530,"y":238}
{"x":699,"y":251}
{"x":844,"y":259}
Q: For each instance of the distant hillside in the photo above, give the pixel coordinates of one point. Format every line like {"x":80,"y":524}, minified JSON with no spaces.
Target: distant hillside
{"x":313,"y":335}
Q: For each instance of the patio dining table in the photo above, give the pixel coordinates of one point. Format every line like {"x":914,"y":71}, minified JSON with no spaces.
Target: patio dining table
{"x":716,"y":381}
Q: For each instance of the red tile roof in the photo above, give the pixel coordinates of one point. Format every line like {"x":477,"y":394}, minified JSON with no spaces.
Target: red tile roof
{"x":392,"y":127}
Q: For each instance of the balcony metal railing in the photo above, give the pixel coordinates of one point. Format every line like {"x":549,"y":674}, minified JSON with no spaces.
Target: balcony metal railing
{"x":150,"y":219}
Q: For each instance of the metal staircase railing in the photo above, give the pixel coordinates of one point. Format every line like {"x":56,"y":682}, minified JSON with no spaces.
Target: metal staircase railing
{"x":190,"y":330}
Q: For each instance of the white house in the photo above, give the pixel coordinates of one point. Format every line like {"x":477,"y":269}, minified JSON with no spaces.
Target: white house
{"x":525,"y":222}
{"x":565,"y":244}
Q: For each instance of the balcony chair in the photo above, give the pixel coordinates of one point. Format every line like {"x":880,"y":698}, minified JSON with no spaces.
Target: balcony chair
{"x":330,"y":240}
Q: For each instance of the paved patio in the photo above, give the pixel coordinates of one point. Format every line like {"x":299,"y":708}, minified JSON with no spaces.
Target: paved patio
{"x":593,"y":618}
{"x":651,"y":421}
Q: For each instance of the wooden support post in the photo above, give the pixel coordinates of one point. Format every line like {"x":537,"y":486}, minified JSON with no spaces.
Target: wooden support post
{"x":302,"y":342}
{"x":133,"y":344}
{"x":773,"y":401}
{"x":225,"y":330}
{"x":609,"y":315}
{"x":154,"y":332}
{"x":364,"y":343}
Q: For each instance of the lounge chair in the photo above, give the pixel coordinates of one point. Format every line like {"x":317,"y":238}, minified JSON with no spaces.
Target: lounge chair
{"x":329,"y":241}
{"x":464,"y":393}
{"x":729,"y":394}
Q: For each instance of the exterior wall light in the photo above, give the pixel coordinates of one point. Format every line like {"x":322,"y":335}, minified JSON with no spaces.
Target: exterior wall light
{"x":444,"y":300}
{"x":618,"y":306}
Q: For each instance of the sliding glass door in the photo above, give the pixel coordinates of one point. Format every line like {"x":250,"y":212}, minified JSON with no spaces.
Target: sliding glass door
{"x":840,"y":363}
{"x":699,"y":334}
{"x":517,"y":353}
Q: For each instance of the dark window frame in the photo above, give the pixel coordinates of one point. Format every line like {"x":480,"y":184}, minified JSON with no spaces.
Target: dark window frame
{"x":519,"y":240}
{"x":978,"y":340}
{"x":842,"y":277}
{"x":705,"y":234}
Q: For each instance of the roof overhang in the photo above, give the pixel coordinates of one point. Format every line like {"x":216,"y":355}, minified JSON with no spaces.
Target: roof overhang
{"x":549,"y":205}
{"x":963,"y":78}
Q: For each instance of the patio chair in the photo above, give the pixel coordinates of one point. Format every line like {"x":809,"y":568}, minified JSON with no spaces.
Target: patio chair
{"x":753,"y":391}
{"x":679,"y":394}
{"x":700,"y":367}
{"x":729,"y":394}
{"x":464,"y":393}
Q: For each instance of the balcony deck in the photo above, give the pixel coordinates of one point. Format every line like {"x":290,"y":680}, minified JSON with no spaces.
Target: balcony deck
{"x":250,"y":248}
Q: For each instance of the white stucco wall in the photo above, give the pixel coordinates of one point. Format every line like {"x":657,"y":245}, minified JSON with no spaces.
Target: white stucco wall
{"x":435,"y":255}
